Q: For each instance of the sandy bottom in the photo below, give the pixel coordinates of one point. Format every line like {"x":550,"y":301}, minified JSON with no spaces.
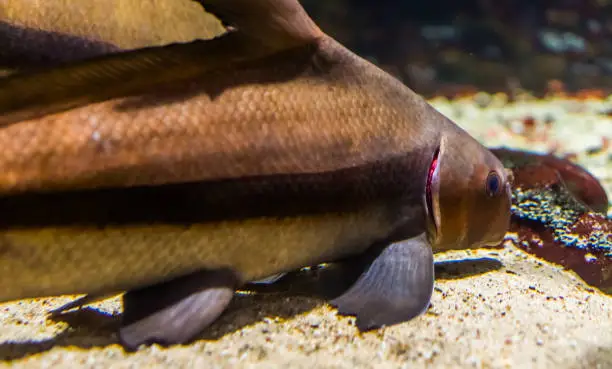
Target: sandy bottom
{"x":498,"y":308}
{"x":494,"y":309}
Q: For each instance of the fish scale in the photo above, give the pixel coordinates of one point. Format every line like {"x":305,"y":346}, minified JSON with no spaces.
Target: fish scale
{"x":56,"y":261}
{"x":191,"y":130}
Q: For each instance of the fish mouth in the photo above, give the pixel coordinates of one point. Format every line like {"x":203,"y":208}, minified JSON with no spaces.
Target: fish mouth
{"x":432,"y":181}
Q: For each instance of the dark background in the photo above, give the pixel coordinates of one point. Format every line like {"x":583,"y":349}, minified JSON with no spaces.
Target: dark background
{"x":449,"y":46}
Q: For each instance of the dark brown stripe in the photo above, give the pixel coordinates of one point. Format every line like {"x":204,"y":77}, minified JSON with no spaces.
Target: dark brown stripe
{"x":397,"y":184}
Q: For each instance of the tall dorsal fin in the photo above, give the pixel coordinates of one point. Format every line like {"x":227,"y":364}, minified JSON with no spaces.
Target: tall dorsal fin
{"x":277,"y":24}
{"x":262,"y":27}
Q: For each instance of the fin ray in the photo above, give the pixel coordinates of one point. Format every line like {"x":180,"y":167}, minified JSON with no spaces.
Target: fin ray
{"x":396,"y":287}
{"x":270,"y":279}
{"x":174,"y":312}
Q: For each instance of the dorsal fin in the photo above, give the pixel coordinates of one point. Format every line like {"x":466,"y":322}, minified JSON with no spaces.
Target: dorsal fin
{"x":263,"y":27}
{"x":277,"y":24}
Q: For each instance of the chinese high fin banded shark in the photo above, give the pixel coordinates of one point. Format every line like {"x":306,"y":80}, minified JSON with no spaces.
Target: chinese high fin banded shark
{"x":180,"y":173}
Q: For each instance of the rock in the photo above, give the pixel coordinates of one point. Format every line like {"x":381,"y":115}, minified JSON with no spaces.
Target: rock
{"x":540,"y":171}
{"x":557,"y":215}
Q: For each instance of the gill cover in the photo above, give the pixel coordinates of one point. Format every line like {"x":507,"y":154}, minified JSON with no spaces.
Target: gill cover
{"x":468,"y":195}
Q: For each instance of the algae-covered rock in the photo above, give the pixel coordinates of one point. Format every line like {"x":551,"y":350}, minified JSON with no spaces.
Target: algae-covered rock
{"x":558,"y":214}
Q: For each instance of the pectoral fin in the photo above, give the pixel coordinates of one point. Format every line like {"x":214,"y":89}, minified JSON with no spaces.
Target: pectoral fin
{"x":396,"y":287}
{"x":174,"y":312}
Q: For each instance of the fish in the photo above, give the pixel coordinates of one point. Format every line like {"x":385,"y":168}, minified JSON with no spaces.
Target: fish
{"x":176,"y":174}
{"x":40,"y":34}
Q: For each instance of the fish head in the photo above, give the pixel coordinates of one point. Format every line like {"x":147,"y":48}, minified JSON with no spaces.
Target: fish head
{"x":468,"y":195}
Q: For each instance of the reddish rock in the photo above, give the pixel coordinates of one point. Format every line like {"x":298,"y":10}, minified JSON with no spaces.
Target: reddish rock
{"x":554,"y":213}
{"x":539,"y":170}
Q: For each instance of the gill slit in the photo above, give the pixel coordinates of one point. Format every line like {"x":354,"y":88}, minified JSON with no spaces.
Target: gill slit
{"x":428,"y":194}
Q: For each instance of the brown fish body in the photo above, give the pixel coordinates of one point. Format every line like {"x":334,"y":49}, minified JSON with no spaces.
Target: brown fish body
{"x":177,"y":175}
{"x":303,"y":111}
{"x":315,"y":121}
{"x":59,"y":260}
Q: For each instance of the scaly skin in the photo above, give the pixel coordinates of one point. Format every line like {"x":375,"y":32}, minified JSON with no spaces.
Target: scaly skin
{"x":292,"y":103}
{"x":248,"y":130}
{"x":276,"y":116}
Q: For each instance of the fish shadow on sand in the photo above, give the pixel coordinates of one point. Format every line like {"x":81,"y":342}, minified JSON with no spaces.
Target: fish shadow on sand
{"x":296,"y":293}
{"x":89,"y":327}
{"x":332,"y":280}
{"x":457,"y":269}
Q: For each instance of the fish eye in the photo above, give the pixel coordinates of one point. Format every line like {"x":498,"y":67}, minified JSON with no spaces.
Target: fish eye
{"x":493,"y":184}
